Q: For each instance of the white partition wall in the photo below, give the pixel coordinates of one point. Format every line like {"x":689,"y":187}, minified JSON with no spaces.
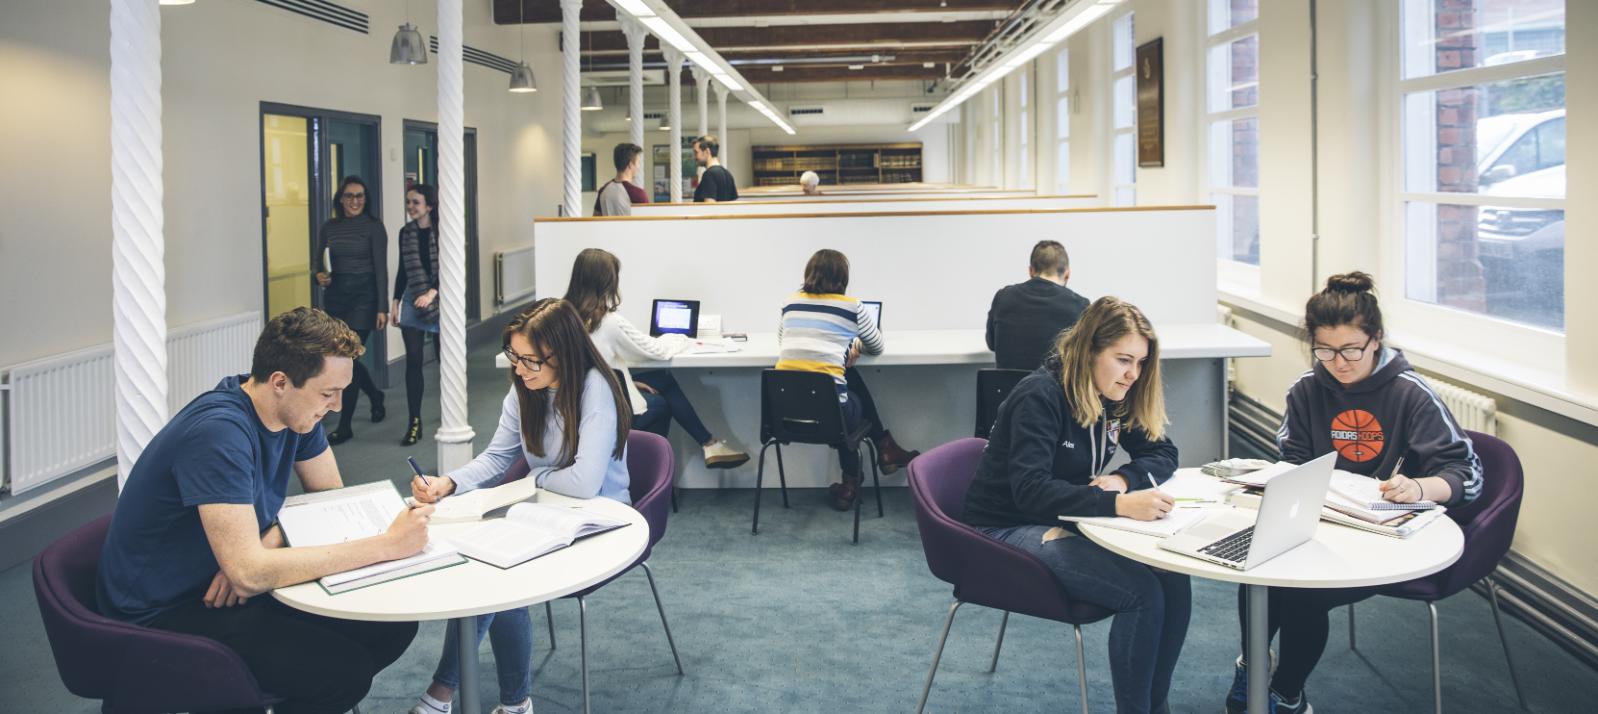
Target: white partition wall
{"x":871,"y":204}
{"x":932,"y":271}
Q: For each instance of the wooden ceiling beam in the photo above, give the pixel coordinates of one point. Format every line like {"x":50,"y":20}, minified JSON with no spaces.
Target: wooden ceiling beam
{"x":776,"y":39}
{"x":548,"y":11}
{"x":897,"y":73}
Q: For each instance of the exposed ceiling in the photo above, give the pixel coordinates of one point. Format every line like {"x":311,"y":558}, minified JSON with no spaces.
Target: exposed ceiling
{"x":772,"y":41}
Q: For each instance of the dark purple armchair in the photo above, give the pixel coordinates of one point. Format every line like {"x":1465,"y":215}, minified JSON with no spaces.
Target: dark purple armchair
{"x":651,"y":468}
{"x":1489,"y":527}
{"x":133,"y":669}
{"x":982,"y":570}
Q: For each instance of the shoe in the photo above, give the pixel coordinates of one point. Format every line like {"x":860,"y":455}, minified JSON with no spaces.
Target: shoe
{"x":378,"y":411}
{"x":890,"y":456}
{"x":1280,"y":705}
{"x":720,"y":456}
{"x":1237,"y":698}
{"x":339,"y":436}
{"x":501,"y":709}
{"x":413,"y":434}
{"x":424,"y":708}
{"x":843,"y":494}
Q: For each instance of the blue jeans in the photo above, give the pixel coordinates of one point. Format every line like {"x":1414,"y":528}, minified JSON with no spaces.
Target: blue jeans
{"x":511,"y":635}
{"x":669,"y":404}
{"x":1151,"y":610}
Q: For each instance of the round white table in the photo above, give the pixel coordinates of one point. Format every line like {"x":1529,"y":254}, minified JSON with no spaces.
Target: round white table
{"x":1337,"y":557}
{"x":461,"y":592}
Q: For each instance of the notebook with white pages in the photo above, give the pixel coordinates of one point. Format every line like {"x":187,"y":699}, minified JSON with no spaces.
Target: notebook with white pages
{"x":472,"y":505}
{"x":1366,"y":492}
{"x":352,"y":513}
{"x":1195,"y":494}
{"x":530,"y":530}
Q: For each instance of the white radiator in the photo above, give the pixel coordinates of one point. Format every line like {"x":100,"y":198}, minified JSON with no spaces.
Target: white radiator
{"x":61,"y":410}
{"x":1473,"y":411}
{"x":513,"y":276}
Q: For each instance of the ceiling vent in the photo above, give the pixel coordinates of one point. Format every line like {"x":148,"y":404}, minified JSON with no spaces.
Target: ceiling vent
{"x":921,"y":108}
{"x":324,"y":11}
{"x":806,"y":111}
{"x":618,"y":78}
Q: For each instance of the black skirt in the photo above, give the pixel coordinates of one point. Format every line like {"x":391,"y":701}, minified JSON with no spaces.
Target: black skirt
{"x":352,"y":298}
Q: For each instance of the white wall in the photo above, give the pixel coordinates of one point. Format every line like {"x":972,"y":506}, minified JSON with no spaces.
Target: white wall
{"x":215,"y":75}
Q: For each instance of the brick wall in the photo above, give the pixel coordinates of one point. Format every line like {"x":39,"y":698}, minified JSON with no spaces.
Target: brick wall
{"x":1460,"y":279}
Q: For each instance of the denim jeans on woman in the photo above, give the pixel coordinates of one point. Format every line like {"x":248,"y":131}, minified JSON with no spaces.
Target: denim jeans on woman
{"x":1152,"y":608}
{"x":510,"y":633}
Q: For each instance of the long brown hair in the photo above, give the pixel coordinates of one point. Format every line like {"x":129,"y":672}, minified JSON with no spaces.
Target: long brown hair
{"x":594,"y":288}
{"x":827,"y":273}
{"x":1107,"y":320}
{"x":554,"y":329}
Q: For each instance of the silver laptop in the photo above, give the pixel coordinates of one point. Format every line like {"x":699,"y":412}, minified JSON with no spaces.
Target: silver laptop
{"x":1287,"y":517}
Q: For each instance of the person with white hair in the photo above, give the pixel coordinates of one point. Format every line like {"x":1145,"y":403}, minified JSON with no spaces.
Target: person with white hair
{"x":811,"y":183}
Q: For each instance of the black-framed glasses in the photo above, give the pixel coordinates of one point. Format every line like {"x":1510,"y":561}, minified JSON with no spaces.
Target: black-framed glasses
{"x":353,"y":196}
{"x":533,"y":364}
{"x":1352,"y":354}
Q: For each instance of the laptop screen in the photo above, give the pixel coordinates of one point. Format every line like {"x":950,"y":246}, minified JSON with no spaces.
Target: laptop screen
{"x":875,"y":307}
{"x":679,"y":317}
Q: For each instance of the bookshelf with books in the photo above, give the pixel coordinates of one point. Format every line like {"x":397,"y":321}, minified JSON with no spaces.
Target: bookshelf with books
{"x":838,"y":163}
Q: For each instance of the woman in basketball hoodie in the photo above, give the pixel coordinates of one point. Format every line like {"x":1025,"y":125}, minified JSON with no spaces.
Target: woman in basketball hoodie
{"x":1049,"y":454}
{"x":1361,"y":399}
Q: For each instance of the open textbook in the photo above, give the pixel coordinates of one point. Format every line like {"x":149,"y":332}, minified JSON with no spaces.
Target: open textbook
{"x":470,"y":506}
{"x":346,"y":514}
{"x":530,"y":530}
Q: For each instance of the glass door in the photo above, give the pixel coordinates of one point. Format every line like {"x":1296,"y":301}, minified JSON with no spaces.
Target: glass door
{"x":286,"y":187}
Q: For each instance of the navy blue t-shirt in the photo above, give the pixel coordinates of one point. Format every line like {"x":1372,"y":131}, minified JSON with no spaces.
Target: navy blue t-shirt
{"x":216,"y":450}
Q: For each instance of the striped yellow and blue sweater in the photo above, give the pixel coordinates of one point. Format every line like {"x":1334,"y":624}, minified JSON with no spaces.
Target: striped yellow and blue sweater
{"x":817,"y":330}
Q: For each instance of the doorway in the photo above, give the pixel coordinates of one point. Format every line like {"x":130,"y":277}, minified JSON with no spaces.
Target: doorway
{"x":421,"y":166}
{"x":304,"y":154}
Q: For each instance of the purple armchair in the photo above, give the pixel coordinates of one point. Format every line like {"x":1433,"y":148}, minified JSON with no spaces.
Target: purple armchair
{"x":1489,"y":527}
{"x":651,"y":467}
{"x":982,"y":570}
{"x":133,"y":669}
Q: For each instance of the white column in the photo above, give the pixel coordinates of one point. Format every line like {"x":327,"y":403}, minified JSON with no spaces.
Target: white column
{"x":702,"y":85}
{"x":721,"y":126}
{"x":674,"y":117}
{"x":454,"y":435}
{"x":571,"y":103}
{"x":636,"y":33}
{"x":138,"y":273}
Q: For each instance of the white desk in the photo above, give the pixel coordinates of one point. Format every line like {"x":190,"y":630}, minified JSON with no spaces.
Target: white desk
{"x":925,"y":387}
{"x":462,"y":592}
{"x":1338,"y":557}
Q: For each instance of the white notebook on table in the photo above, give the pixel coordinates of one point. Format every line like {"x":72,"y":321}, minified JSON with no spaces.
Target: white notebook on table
{"x":470,"y":506}
{"x":345,"y":514}
{"x":530,"y":530}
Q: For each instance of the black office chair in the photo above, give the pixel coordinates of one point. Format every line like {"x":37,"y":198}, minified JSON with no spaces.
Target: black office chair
{"x":803,"y":408}
{"x":993,"y":385}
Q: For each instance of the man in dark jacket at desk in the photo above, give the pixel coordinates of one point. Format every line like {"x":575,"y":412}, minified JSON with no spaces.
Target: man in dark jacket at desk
{"x":1026,"y":317}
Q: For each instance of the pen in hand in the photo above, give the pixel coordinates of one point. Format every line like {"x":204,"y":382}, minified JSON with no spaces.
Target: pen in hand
{"x":418,"y":469}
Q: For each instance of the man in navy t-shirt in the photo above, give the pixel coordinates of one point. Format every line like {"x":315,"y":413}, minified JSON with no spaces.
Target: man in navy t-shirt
{"x":195,"y":536}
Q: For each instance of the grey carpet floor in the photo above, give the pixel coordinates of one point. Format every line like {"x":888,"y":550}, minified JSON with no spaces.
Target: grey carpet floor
{"x":798,"y":620}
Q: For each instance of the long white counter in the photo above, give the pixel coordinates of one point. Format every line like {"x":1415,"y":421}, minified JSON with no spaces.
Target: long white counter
{"x":862,"y":204}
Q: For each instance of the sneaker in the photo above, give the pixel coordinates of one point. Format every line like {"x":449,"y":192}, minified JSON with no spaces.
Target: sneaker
{"x":720,"y":456}
{"x":1237,"y":698}
{"x":1280,"y":705}
{"x":425,"y":708}
{"x":526,"y":707}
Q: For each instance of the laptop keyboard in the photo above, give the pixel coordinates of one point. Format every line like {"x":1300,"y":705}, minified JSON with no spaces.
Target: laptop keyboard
{"x":1233,"y":547}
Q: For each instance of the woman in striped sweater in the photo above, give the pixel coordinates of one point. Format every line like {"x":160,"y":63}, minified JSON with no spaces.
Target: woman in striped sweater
{"x":824,"y":330}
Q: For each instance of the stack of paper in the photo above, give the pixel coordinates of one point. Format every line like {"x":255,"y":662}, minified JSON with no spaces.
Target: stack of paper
{"x":346,"y":514}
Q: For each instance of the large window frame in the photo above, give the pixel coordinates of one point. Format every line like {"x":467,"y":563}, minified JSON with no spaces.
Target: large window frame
{"x":1225,"y":194}
{"x":996,"y":135}
{"x":1023,"y":137}
{"x":1122,"y":176}
{"x":1471,"y":337}
{"x":1062,"y":120}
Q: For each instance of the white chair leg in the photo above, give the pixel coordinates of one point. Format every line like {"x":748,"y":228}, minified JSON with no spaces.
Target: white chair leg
{"x":651,"y":575}
{"x":1081,"y":669}
{"x":549,"y":616}
{"x":582,"y":638}
{"x":1351,"y":626}
{"x":1437,"y":661}
{"x":994,"y":665}
{"x":1492,"y":591}
{"x":937,"y":655}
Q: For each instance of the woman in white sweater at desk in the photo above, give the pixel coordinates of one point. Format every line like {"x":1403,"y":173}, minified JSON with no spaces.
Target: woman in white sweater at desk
{"x":655,"y":396}
{"x":566,"y":414}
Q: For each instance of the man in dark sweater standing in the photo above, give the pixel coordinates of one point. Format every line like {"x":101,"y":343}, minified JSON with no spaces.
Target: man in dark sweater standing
{"x":1026,"y":317}
{"x":716,"y":184}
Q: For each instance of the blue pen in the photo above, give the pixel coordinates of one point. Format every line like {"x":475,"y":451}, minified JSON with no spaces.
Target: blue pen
{"x":418,"y":469}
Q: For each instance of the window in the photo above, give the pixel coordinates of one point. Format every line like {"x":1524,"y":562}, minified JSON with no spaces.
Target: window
{"x":996,"y":137}
{"x":1233,"y":127}
{"x":1123,"y":124}
{"x":1024,"y":134}
{"x":1481,"y":203}
{"x":1062,"y":121}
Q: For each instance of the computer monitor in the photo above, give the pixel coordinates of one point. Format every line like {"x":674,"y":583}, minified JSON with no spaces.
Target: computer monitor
{"x":674,"y":317}
{"x":875,"y":307}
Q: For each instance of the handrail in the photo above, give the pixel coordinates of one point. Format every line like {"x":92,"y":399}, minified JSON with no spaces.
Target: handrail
{"x":876,"y":214}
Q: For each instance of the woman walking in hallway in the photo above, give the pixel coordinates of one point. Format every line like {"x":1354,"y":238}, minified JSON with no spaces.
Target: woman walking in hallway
{"x":357,"y":248}
{"x":416,"y":295}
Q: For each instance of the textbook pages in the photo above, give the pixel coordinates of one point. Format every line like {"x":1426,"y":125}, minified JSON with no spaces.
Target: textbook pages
{"x":530,"y":530}
{"x":346,"y":514}
{"x":470,"y":506}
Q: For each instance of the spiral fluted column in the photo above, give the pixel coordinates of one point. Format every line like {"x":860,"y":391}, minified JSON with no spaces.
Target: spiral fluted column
{"x":571,"y":104}
{"x":454,"y":434}
{"x":636,"y":33}
{"x":138,"y":273}
{"x":674,"y":60}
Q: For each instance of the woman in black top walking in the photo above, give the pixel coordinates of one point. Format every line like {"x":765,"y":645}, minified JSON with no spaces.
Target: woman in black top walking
{"x":352,"y":291}
{"x":416,"y":295}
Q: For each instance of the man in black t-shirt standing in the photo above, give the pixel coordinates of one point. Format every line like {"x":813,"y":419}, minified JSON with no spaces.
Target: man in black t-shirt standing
{"x":716,"y":183}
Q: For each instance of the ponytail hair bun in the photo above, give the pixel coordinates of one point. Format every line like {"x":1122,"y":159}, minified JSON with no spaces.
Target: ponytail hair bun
{"x":1355,"y":282}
